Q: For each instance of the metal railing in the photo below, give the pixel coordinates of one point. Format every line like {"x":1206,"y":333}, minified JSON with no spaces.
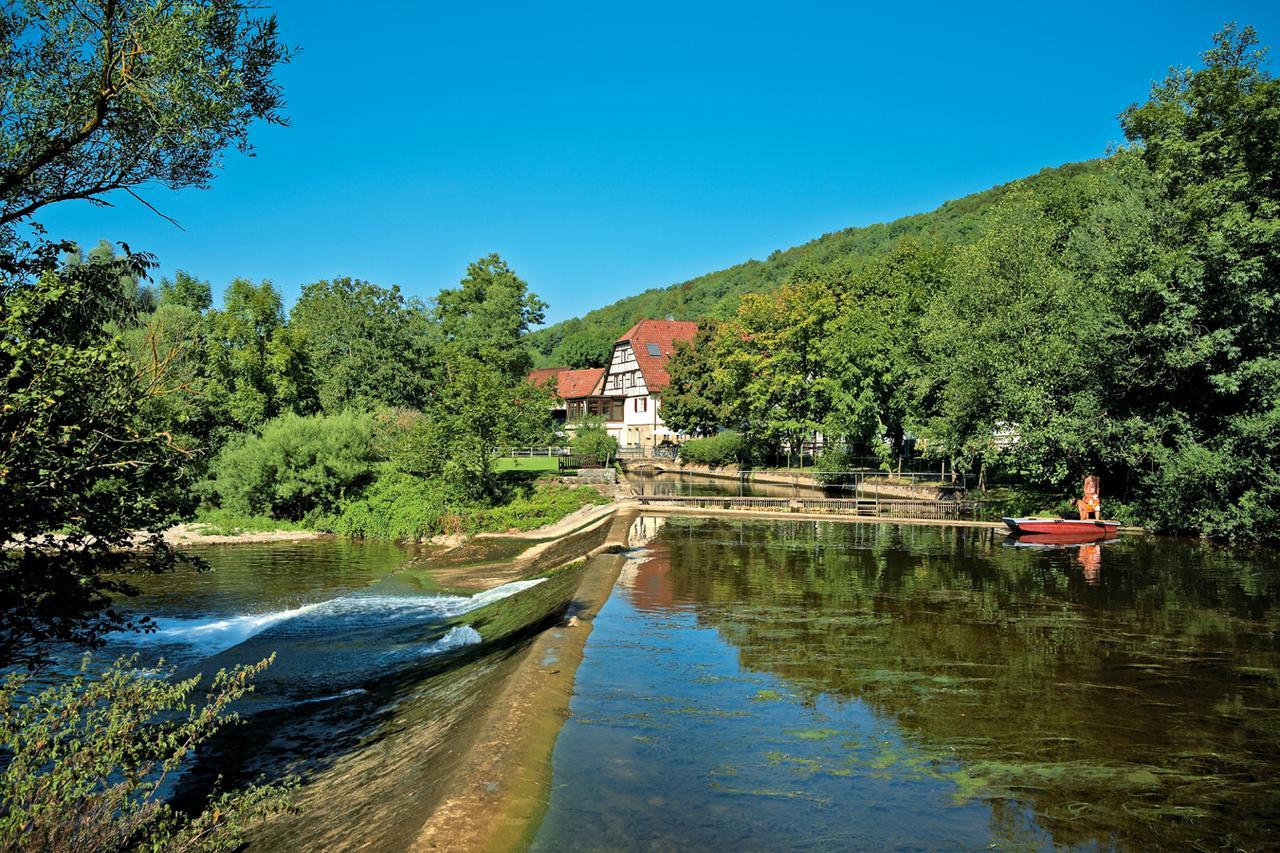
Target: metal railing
{"x":531,"y":451}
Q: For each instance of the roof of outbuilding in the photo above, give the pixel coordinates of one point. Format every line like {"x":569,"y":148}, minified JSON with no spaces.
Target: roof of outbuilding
{"x":663,"y":334}
{"x":569,"y":383}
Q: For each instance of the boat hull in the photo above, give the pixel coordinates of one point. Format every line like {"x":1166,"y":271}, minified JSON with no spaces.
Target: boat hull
{"x":1063,"y":530}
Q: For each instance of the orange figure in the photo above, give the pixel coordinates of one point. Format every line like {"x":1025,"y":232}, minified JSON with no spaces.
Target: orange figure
{"x":1090,"y":559}
{"x":1090,"y":505}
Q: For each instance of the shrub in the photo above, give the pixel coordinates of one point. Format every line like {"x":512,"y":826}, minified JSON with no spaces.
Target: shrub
{"x":401,"y":506}
{"x":88,"y":759}
{"x":726,"y":448}
{"x":544,"y":505}
{"x":296,"y":466}
{"x":592,"y":439}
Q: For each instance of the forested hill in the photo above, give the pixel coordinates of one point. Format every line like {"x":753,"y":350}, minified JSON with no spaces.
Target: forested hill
{"x":586,"y":341}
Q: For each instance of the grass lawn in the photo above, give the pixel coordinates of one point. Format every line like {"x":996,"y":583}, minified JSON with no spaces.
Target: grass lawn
{"x":526,"y":463}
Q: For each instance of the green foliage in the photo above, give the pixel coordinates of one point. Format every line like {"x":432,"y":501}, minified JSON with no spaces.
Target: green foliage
{"x":591,"y":439}
{"x":224,"y":522}
{"x":102,"y":96}
{"x":406,"y":507}
{"x":481,"y":399}
{"x":1116,"y":319}
{"x":296,"y":465}
{"x":254,"y":369}
{"x":587,"y":348}
{"x":87,"y":761}
{"x":695,"y":403}
{"x":402,"y":506}
{"x":541,"y":506}
{"x":717,"y":295}
{"x":74,"y":457}
{"x":726,"y":448}
{"x":365,"y":345}
{"x":186,"y":290}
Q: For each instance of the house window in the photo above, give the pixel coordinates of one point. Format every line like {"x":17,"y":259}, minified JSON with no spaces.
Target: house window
{"x":617,"y":410}
{"x":653,"y":349}
{"x":642,"y":404}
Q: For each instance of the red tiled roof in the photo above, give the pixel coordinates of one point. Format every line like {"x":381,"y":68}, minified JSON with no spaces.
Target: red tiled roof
{"x":569,"y":383}
{"x":663,"y":333}
{"x":541,"y":375}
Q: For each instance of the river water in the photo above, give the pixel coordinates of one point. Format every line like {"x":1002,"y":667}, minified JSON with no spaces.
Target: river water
{"x":377,"y":671}
{"x":771,"y":685}
{"x":759,"y":685}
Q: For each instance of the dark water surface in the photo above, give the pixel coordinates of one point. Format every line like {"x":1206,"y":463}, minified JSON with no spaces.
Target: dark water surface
{"x":781,"y":685}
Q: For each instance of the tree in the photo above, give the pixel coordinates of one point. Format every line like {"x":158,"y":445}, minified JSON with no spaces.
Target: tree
{"x":296,"y":465}
{"x":487,"y":318}
{"x":87,"y":760}
{"x":587,"y":347}
{"x":1190,"y":247}
{"x":366,"y":345}
{"x":187,"y":290}
{"x":253,"y":363}
{"x":74,"y":458}
{"x":873,"y":349}
{"x":694,"y":401}
{"x":590,"y":438}
{"x":1015,"y":342}
{"x":104,"y":95}
{"x":482,"y":400}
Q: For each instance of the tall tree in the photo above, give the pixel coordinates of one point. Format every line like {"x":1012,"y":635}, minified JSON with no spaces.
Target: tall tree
{"x":481,"y":397}
{"x":1190,"y":248}
{"x":367,"y":345}
{"x":254,"y":368}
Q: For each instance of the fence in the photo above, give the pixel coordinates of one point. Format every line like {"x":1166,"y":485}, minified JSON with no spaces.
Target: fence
{"x":527,"y":452}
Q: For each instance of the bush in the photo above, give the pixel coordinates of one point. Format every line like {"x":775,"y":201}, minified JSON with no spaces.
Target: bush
{"x":401,"y":506}
{"x":726,"y":448}
{"x":545,"y":505}
{"x":297,"y":466}
{"x":88,"y":759}
{"x":592,"y":439}
{"x":405,"y":507}
{"x":833,"y":460}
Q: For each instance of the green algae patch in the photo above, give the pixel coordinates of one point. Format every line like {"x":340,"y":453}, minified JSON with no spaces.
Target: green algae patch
{"x":768,"y":696}
{"x":811,"y":734}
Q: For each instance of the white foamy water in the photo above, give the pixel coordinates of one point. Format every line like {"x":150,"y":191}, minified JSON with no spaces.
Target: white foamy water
{"x":210,"y":635}
{"x":455,"y":638}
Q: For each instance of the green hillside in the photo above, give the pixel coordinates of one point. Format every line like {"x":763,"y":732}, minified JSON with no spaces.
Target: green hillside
{"x":585,"y":341}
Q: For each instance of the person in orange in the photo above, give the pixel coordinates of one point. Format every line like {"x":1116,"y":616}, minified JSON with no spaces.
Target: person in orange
{"x":1090,"y":559}
{"x":1090,"y":506}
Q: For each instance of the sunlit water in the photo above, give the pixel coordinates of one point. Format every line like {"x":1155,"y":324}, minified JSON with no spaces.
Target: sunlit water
{"x":798,"y":685}
{"x":375,"y":669}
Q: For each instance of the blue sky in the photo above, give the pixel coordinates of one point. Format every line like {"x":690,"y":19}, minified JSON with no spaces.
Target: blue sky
{"x":606,"y":148}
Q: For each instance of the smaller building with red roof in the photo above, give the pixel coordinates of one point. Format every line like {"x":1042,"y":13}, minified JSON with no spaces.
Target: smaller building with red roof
{"x":628,"y":393}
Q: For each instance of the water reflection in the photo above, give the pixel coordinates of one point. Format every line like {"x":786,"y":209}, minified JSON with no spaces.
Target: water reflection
{"x":803,"y":675}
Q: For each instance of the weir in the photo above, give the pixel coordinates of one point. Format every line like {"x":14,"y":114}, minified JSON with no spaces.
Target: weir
{"x":874,"y":507}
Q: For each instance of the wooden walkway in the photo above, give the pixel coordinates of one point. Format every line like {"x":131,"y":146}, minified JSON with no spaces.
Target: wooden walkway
{"x":889,"y":507}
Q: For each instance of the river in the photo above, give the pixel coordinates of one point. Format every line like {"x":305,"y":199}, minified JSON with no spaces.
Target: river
{"x":774,"y":685}
{"x":756,"y":684}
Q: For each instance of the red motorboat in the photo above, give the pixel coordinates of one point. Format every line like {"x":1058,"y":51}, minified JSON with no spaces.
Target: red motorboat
{"x":1063,"y":531}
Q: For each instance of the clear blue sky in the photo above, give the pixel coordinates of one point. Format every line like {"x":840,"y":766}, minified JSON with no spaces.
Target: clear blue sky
{"x":606,"y":148}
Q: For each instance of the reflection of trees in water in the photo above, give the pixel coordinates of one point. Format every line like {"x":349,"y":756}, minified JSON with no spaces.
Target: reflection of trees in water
{"x":1140,"y":706}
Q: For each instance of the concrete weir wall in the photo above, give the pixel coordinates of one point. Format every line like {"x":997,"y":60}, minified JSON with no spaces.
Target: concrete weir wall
{"x":884,"y":485}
